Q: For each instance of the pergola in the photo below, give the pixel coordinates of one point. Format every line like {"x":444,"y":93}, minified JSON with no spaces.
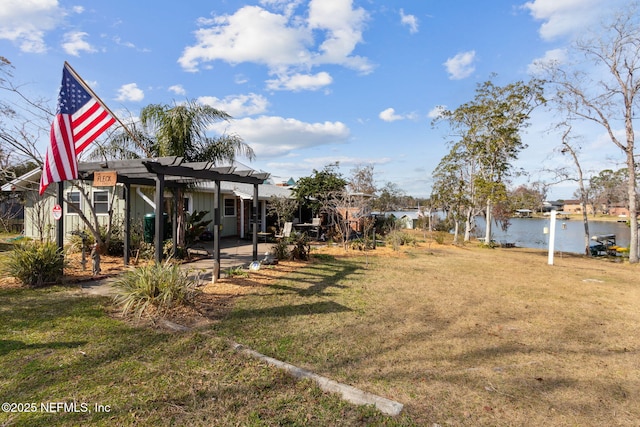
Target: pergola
{"x":171,"y":173}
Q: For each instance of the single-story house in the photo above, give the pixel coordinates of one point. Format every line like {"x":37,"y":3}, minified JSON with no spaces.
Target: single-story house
{"x":550,"y":205}
{"x":619,"y":209}
{"x":235,"y":204}
{"x":575,"y":207}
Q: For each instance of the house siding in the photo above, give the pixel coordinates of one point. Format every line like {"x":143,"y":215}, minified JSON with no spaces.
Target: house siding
{"x":200,"y":199}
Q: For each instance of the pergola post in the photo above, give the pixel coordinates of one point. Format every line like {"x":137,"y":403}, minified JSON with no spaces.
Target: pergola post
{"x":127,"y":222}
{"x":242,"y":219}
{"x":176,"y":173}
{"x":216,"y":228}
{"x":174,"y":221}
{"x":254,"y":216}
{"x":159,"y":216}
{"x":60,"y":224}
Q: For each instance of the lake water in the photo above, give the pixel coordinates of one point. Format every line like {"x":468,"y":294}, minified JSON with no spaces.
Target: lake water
{"x":529,"y":233}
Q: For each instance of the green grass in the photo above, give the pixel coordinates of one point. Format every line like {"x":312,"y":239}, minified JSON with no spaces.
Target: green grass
{"x":462,"y":336}
{"x":57,"y":346}
{"x":459,"y":335}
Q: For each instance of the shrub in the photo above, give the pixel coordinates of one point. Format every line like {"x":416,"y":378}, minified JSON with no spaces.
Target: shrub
{"x":35,"y":264}
{"x":195,"y":226}
{"x":362,"y":244}
{"x":439,"y":238}
{"x":167,"y":251}
{"x":237,"y":272}
{"x":443,"y":224}
{"x":163,"y":286}
{"x":301,"y":247}
{"x":280,"y":249}
{"x":75,"y":241}
{"x":395,"y":239}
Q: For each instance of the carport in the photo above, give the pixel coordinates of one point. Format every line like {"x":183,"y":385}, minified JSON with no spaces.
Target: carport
{"x":171,"y":173}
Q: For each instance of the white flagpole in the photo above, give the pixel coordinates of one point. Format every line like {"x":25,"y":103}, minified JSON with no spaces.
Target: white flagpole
{"x":552,"y":236}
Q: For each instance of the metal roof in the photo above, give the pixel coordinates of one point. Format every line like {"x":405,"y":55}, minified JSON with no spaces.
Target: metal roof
{"x":175,"y":170}
{"x":144,"y":171}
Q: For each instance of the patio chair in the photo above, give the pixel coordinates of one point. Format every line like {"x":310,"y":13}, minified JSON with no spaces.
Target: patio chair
{"x":286,"y":230}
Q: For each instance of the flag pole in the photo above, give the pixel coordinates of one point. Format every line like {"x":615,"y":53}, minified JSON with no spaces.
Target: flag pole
{"x":88,"y":89}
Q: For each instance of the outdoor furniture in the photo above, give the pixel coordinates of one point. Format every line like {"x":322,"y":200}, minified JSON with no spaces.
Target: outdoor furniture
{"x":286,"y":230}
{"x":305,"y":228}
{"x":264,"y":234}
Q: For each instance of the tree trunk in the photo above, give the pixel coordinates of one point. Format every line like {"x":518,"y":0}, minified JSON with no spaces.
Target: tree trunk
{"x":456,"y":231}
{"x":180,"y":217}
{"x":487,"y":234}
{"x":468,"y":225}
{"x":585,"y":220}
{"x":633,"y":208}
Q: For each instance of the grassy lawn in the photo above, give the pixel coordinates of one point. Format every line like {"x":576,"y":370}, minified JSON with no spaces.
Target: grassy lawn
{"x":56,"y":346}
{"x":462,"y":336}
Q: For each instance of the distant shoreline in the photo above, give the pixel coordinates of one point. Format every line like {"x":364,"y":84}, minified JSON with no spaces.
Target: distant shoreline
{"x":578,"y":217}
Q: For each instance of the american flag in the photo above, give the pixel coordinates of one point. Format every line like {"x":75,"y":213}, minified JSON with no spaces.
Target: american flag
{"x":80,"y":119}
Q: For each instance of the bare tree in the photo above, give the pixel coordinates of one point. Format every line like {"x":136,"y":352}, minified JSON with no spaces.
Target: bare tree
{"x":608,"y":93}
{"x":24,"y":121}
{"x":349,"y":213}
{"x":569,"y":148}
{"x":91,"y":222}
{"x":362,"y":180}
{"x":282,"y":208}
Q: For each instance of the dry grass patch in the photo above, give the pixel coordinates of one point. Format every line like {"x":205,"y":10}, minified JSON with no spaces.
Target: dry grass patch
{"x":462,"y":335}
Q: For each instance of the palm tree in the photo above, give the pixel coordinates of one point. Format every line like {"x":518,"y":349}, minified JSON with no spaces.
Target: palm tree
{"x":181,"y":130}
{"x":123,"y":144}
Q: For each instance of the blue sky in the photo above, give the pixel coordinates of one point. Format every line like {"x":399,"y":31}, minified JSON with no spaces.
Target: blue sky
{"x":310,"y":82}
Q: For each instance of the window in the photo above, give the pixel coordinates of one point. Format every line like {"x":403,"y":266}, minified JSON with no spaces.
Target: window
{"x":101,"y":202}
{"x":73,"y":199}
{"x":229,"y":207}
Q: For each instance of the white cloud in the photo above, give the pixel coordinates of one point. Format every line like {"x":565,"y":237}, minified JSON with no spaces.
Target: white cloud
{"x":252,"y":34}
{"x":177,"y":89}
{"x":118,"y":40}
{"x":74,"y":43}
{"x":240,"y":79}
{"x":27,"y":22}
{"x":551,"y":57}
{"x":237,"y":105}
{"x":436,"y":111}
{"x":410,"y":21}
{"x":567,"y":17}
{"x":130,"y":92}
{"x":271,"y":136}
{"x":302,"y":166}
{"x":288,"y":44}
{"x":78,"y":9}
{"x":461,"y":66}
{"x":343,"y":26}
{"x":298,"y":82}
{"x":389,"y":115}
{"x":288,"y":7}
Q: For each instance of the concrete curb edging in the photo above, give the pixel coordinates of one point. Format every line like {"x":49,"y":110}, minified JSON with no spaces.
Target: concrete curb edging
{"x":348,"y":393}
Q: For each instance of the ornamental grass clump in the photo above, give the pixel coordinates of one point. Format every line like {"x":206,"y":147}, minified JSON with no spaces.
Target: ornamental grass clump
{"x":35,"y":264}
{"x":162,"y":286}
